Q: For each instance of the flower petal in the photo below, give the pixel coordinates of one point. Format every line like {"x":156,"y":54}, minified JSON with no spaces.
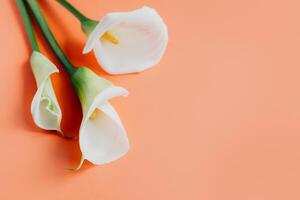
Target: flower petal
{"x":45,"y":109}
{"x":41,"y":67}
{"x":103,"y":139}
{"x":142,"y":36}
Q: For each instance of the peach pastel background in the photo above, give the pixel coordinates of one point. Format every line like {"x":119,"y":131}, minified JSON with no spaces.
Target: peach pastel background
{"x":217,"y":119}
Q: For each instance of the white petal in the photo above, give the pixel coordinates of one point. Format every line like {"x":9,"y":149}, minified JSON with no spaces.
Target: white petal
{"x":45,"y":109}
{"x":104,"y":138}
{"x":142,"y":36}
{"x":41,"y":67}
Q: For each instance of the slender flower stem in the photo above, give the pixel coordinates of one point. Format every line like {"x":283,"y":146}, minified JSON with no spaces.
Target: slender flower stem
{"x":73,"y":10}
{"x":49,"y":36}
{"x":87,"y":24}
{"x":28,"y":25}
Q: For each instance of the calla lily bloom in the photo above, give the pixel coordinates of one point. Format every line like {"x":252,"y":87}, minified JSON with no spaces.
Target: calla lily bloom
{"x":45,"y":109}
{"x":102,"y":137}
{"x":128,"y":42}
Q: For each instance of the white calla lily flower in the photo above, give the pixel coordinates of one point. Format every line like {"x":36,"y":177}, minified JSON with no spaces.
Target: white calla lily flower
{"x":127,"y":42}
{"x":102,"y":137}
{"x":45,"y":109}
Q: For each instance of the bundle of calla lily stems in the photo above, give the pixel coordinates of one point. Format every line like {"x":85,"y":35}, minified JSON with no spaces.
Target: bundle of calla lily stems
{"x":123,"y":42}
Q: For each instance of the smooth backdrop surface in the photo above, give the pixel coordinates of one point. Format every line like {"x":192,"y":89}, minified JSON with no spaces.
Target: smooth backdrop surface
{"x":217,"y":119}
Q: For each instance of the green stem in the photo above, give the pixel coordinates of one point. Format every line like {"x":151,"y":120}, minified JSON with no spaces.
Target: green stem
{"x":28,"y":25}
{"x":87,"y":25}
{"x":49,"y":36}
{"x":73,"y":10}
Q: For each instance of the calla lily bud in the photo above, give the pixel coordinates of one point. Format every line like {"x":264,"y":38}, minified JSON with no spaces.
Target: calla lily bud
{"x":127,"y":42}
{"x":102,"y":137}
{"x":45,"y":109}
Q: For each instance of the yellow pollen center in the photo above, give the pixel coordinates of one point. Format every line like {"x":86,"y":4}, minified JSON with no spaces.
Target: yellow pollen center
{"x":93,"y":115}
{"x":108,"y":36}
